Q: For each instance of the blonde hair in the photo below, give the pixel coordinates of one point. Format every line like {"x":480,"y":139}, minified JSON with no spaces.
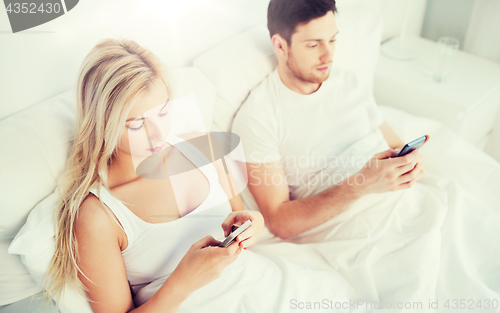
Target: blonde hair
{"x":111,"y":78}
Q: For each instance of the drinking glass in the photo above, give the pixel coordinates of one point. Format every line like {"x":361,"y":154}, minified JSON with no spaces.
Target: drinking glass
{"x":446,"y":50}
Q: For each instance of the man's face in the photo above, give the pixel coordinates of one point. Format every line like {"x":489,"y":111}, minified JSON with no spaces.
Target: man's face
{"x":311,"y":50}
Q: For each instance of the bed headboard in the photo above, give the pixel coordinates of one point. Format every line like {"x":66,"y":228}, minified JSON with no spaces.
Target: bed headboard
{"x":43,"y":61}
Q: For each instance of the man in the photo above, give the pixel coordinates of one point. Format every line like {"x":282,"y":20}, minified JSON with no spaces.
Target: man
{"x":307,"y":111}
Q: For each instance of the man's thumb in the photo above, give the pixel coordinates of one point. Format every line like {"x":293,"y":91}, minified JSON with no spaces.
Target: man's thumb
{"x":386,"y":154}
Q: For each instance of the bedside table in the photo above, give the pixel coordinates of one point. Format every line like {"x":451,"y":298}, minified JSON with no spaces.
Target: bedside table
{"x":467,"y":102}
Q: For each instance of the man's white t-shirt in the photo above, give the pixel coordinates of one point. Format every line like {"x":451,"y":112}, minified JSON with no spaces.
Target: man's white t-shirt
{"x":307,"y":133}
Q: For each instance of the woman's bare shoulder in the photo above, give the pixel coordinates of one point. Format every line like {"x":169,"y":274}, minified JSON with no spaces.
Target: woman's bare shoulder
{"x":92,"y":219}
{"x":100,"y":259}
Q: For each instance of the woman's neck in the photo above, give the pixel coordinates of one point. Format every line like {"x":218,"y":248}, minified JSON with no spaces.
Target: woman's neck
{"x":121,"y":171}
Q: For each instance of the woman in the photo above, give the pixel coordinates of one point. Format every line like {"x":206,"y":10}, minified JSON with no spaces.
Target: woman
{"x":154,"y":248}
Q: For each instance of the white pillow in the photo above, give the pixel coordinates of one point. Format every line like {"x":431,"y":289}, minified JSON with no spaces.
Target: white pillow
{"x":238,"y":64}
{"x":35,"y":244}
{"x":360,"y":24}
{"x":38,"y":140}
{"x":35,"y":144}
{"x":191,"y":86}
{"x":15,"y":282}
{"x":235,"y":67}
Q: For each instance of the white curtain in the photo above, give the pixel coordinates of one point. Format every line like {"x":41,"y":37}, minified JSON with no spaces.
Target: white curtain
{"x":482,"y":37}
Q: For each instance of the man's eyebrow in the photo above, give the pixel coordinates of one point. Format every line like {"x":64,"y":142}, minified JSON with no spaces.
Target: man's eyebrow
{"x":320,"y":39}
{"x":142,"y":118}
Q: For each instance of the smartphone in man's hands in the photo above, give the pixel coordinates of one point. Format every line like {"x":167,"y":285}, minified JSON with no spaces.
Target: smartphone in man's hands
{"x":412,"y":145}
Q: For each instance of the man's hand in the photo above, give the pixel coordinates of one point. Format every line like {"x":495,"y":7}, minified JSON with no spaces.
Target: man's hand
{"x":386,"y":172}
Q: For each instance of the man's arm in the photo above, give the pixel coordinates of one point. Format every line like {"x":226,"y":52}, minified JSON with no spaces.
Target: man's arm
{"x":392,"y":139}
{"x":286,"y":218}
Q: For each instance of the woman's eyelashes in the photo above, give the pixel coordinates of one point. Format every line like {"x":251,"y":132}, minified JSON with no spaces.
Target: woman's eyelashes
{"x":135,"y":128}
{"x":165,"y":112}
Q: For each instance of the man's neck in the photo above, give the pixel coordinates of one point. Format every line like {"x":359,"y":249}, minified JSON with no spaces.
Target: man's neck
{"x":294,"y":83}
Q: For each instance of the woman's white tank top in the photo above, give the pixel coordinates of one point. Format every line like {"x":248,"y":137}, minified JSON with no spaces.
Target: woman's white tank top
{"x":155,"y":249}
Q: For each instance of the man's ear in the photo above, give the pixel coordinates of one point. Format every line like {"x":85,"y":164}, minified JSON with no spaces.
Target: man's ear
{"x":280,"y":45}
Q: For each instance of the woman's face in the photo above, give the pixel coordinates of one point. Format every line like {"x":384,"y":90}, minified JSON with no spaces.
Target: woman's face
{"x":148,"y":124}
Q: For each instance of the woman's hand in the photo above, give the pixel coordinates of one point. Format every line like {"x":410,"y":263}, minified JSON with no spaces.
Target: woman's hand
{"x":249,"y":236}
{"x":203,"y":263}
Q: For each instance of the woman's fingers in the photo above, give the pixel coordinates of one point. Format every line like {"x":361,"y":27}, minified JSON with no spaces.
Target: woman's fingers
{"x":248,"y":237}
{"x":235,"y":218}
{"x":206,"y":242}
{"x":233,"y":257}
{"x":231,"y":249}
{"x":228,"y":222}
{"x":248,"y":242}
{"x":247,"y":233}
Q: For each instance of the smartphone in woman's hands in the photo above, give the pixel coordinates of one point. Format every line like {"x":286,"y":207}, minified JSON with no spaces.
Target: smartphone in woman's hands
{"x":232,"y":236}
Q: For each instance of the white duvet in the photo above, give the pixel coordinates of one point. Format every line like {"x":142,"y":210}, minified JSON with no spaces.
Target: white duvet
{"x":437,"y":243}
{"x":432,"y":248}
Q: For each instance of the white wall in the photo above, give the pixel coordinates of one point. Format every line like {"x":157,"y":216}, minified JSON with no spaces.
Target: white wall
{"x":476,"y":23}
{"x":483,"y":39}
{"x":394,"y":14}
{"x":447,"y":18}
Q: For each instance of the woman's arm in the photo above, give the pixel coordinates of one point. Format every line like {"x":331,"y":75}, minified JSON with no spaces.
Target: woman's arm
{"x":101,"y":261}
{"x":224,"y":179}
{"x":167,"y":299}
{"x":203,"y":263}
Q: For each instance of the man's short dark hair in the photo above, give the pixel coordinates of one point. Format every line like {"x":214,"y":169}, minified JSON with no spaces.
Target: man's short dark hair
{"x":283,"y":16}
